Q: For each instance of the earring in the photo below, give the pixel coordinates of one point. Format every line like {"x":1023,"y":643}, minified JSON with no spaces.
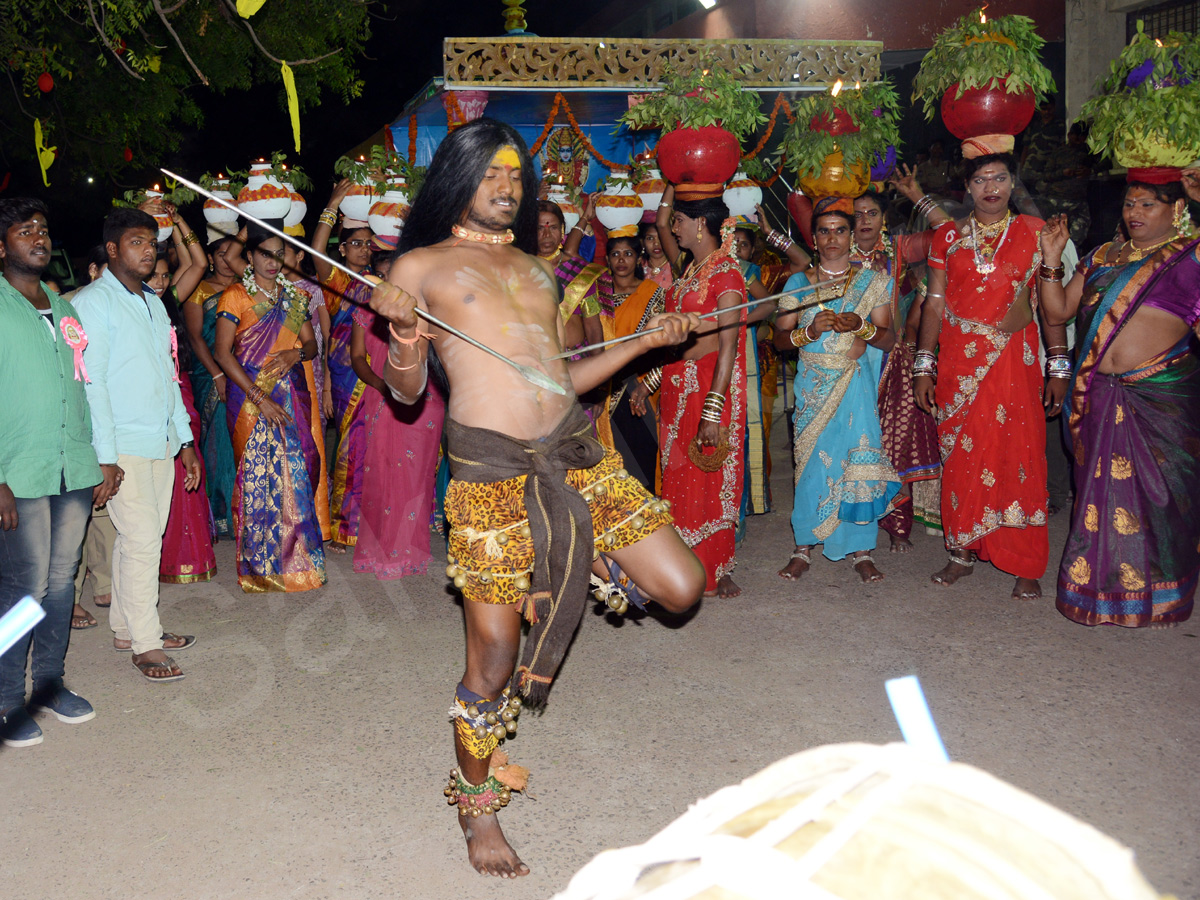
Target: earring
{"x":1182,"y":220}
{"x":699,"y":232}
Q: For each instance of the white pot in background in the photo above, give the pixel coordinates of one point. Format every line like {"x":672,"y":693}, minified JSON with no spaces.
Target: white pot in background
{"x":263,"y":196}
{"x":619,"y":205}
{"x":651,"y":190}
{"x":165,"y":225}
{"x":742,"y":195}
{"x":215,"y":213}
{"x":358,"y":202}
{"x":559,"y":196}
{"x":386,"y":216}
{"x":298,"y":208}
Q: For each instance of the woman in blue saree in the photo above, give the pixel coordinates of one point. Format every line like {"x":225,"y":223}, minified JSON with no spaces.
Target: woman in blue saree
{"x":1132,"y":412}
{"x":844,"y":482}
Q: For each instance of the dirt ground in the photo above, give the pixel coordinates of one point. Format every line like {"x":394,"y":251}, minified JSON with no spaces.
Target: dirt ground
{"x":305,"y":753}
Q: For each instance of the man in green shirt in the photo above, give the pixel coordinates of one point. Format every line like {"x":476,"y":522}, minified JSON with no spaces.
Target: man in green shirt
{"x":49,"y":476}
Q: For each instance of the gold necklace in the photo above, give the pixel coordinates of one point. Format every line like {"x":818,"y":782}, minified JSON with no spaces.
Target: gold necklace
{"x":837,"y":293}
{"x":480,"y":237}
{"x":981,"y":235}
{"x":1135,"y":253}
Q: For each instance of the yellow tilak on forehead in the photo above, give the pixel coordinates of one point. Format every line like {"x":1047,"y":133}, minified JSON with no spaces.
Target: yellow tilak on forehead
{"x":507,"y":157}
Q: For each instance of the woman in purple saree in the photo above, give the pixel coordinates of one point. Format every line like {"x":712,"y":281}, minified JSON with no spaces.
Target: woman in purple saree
{"x":263,"y":337}
{"x":1133,"y":415}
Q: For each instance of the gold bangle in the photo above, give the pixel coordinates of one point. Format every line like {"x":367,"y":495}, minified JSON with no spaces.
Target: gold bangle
{"x":190,"y":238}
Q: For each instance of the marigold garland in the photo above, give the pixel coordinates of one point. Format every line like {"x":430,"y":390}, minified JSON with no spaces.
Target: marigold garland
{"x":560,"y":102}
{"x":454,"y":113}
{"x":780,"y":103}
{"x":537,"y":145}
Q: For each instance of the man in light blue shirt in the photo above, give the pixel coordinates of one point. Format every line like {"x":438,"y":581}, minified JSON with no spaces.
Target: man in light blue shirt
{"x":139,"y":422}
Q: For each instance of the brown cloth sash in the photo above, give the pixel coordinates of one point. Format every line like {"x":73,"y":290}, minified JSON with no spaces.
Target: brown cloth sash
{"x":560,"y":523}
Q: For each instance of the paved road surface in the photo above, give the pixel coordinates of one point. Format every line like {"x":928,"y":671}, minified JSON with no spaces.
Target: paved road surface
{"x":304,"y":755}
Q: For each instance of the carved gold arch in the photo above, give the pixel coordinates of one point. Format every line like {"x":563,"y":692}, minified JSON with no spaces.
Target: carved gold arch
{"x":624,"y":62}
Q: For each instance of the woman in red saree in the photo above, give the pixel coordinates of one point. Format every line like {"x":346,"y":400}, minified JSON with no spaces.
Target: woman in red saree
{"x":263,"y":337}
{"x":978,"y":313}
{"x":702,"y":406}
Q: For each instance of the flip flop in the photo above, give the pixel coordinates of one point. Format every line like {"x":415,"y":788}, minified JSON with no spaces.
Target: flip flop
{"x":83,"y":622}
{"x":169,"y":664}
{"x":185,"y":641}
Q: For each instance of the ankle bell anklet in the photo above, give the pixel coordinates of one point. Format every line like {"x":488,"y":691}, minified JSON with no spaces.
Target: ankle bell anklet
{"x":476,"y":799}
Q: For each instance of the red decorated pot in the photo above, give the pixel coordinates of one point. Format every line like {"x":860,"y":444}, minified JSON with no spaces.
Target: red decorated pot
{"x":986,"y":111}
{"x":839,"y":123}
{"x":708,"y":155}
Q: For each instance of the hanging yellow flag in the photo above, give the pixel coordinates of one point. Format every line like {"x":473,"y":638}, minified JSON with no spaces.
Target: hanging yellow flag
{"x":247,"y":8}
{"x":45,"y":155}
{"x":289,"y":85}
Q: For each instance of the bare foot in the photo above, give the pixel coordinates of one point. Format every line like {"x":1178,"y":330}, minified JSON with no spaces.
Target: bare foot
{"x":958,"y":567}
{"x":865,"y":567}
{"x":798,"y":564}
{"x":1027,"y":589}
{"x":1159,"y":626}
{"x":727,"y":587}
{"x":900,"y":544}
{"x":337,"y":547}
{"x":487,"y":849}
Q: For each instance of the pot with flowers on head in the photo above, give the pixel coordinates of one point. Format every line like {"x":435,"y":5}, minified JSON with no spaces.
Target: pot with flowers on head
{"x":838,"y":136}
{"x":1145,"y":116}
{"x":986,"y":76}
{"x":704,"y":117}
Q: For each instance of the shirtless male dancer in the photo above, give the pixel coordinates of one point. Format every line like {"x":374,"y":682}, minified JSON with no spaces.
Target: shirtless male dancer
{"x":528,"y":473}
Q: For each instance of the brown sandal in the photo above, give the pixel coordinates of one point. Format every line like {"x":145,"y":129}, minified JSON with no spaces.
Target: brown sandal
{"x":145,"y":666}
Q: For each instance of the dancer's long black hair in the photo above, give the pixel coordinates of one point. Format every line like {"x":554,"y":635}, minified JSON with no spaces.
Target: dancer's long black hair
{"x":454,"y":174}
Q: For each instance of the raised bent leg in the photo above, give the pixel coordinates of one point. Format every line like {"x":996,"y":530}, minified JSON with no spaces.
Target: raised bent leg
{"x":664,"y":569}
{"x":493,"y":639}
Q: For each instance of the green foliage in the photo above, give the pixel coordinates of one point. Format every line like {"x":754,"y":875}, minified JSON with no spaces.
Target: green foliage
{"x":122,"y":78}
{"x":1152,"y":92}
{"x":173,"y":193}
{"x":293,"y":175}
{"x":977,"y":54}
{"x":758,"y":168}
{"x":236,"y":181}
{"x":375,"y":169}
{"x":875,"y":109}
{"x":719,"y":99}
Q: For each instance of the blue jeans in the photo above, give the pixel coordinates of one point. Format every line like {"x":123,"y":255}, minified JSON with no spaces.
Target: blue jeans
{"x":39,"y":558}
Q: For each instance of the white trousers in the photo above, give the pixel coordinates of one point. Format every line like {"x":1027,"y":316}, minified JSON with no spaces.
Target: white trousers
{"x":139,"y":511}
